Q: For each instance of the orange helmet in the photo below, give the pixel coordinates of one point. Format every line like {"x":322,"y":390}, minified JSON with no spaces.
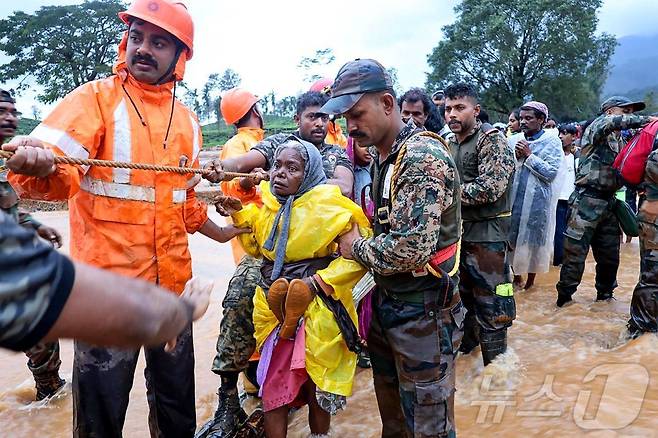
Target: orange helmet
{"x":235,"y":103}
{"x":322,"y":85}
{"x":169,"y":15}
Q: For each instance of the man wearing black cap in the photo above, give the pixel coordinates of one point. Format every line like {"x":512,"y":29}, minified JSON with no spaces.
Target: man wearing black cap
{"x":417,"y":313}
{"x":592,"y":221}
{"x":43,"y":358}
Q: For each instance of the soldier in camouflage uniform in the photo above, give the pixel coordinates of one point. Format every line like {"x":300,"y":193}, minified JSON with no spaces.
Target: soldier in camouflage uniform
{"x":43,"y":358}
{"x":417,"y":314}
{"x":644,"y":304}
{"x":486,"y":169}
{"x":236,"y":342}
{"x":592,"y":220}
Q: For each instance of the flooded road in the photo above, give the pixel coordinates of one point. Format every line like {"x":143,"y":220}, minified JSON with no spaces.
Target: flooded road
{"x":567,"y":372}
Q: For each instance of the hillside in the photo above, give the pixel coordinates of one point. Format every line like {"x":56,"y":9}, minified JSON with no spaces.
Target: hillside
{"x":215,"y":134}
{"x":25,"y":126}
{"x":634,"y":67}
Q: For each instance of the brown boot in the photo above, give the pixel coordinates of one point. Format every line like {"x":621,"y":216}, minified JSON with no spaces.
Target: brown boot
{"x":299,"y":297}
{"x":276,"y":298}
{"x":48,"y":384}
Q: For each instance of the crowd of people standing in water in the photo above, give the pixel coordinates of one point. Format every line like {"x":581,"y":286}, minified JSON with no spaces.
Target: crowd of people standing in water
{"x":396,"y":246}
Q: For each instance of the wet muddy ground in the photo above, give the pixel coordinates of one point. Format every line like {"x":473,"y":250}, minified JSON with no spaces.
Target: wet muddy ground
{"x":568,"y":372}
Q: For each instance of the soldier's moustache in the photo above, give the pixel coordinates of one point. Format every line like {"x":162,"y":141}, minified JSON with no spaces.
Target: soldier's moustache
{"x":357,"y":134}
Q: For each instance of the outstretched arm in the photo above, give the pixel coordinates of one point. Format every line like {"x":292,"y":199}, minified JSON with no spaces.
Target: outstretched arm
{"x":46,"y":296}
{"x":107,"y":309}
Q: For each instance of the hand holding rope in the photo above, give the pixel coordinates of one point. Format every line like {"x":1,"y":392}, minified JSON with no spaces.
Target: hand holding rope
{"x":227,"y":176}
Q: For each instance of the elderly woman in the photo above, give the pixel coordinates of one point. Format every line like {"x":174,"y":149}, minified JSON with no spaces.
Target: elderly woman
{"x":535,"y":192}
{"x":304,"y":316}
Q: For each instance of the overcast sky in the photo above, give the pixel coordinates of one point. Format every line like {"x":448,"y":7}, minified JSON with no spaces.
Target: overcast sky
{"x":264,"y":40}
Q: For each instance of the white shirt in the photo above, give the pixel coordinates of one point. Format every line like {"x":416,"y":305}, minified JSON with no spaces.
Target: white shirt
{"x":569,"y":174}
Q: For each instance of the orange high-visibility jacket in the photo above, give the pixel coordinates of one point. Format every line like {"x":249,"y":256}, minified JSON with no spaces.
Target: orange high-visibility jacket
{"x":335,"y":135}
{"x":240,"y":144}
{"x":132,"y":222}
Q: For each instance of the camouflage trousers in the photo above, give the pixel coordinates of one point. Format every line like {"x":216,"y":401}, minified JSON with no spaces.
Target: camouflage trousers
{"x":644,"y":304}
{"x":485,"y":286}
{"x":591,"y":223}
{"x":236,"y":342}
{"x":412,"y":349}
{"x":43,"y":359}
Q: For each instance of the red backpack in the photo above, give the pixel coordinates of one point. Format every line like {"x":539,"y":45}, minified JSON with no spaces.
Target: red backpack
{"x":632,"y":159}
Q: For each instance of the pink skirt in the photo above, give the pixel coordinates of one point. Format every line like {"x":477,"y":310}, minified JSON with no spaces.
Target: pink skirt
{"x":286,"y":372}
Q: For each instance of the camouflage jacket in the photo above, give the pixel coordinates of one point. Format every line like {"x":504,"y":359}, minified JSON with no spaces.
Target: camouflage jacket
{"x":493,"y":159}
{"x":425,"y":188}
{"x":651,"y":174}
{"x":332,"y":155}
{"x":36,"y":283}
{"x":600,"y":144}
{"x":9,"y":202}
{"x":486,"y":169}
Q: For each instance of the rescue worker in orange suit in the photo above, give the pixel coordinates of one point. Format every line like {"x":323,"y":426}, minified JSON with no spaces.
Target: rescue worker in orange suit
{"x":334,"y":131}
{"x":132,"y":222}
{"x":236,"y":345}
{"x":239,"y":107}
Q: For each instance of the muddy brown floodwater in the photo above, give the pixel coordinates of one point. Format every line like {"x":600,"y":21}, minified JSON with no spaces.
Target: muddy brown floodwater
{"x":568,"y":372}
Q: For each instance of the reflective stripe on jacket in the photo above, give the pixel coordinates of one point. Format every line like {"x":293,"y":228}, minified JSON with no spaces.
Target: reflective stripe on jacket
{"x":132,"y":222}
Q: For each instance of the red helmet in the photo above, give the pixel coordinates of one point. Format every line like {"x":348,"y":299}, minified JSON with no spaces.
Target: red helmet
{"x":322,"y":85}
{"x":169,"y":15}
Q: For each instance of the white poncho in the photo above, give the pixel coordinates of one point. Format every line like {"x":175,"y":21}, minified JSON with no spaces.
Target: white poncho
{"x":535,"y":194}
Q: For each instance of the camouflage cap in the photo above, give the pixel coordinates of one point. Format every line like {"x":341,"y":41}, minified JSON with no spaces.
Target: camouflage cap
{"x":6,"y":97}
{"x":621,"y":101}
{"x":353,"y":80}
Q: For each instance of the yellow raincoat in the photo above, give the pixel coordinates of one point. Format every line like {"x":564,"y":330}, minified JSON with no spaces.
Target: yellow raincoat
{"x":318,"y":217}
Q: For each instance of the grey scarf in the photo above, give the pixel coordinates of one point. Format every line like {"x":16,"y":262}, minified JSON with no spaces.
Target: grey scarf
{"x":313,"y":176}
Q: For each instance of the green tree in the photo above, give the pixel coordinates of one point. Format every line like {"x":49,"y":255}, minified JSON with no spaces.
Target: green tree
{"x":61,"y":47}
{"x":314,"y":66}
{"x":651,"y":100}
{"x":229,"y":79}
{"x":268,"y":103}
{"x":286,"y":106}
{"x":546,"y":50}
{"x":210,"y":93}
{"x":192,"y":98}
{"x":393,"y":73}
{"x":209,"y":97}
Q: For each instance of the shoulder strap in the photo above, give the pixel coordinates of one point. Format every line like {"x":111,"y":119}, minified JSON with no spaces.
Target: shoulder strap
{"x":403,"y":151}
{"x":486,"y":129}
{"x":428,"y":268}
